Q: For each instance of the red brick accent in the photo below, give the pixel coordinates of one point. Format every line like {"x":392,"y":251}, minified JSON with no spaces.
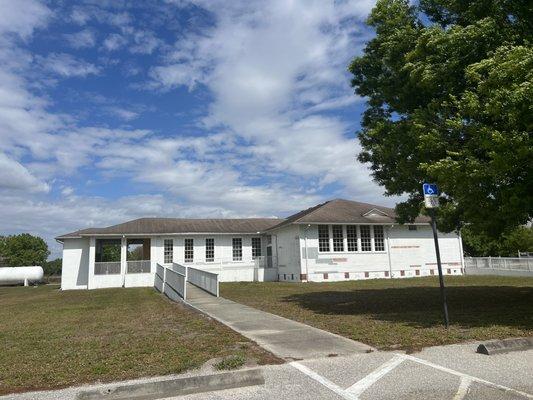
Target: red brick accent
{"x":417,"y":272}
{"x":347,"y":275}
{"x":402,"y":273}
{"x":325,"y":276}
{"x":303,"y":277}
{"x":386,"y":273}
{"x":367,"y":274}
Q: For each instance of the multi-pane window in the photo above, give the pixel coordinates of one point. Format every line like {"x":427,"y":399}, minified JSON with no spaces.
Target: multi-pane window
{"x":323,"y":237}
{"x":338,"y":238}
{"x":366,"y":241}
{"x":237,"y":249}
{"x":379,"y":241}
{"x":168,"y":251}
{"x":189,"y":250}
{"x":256,"y":247}
{"x":351,"y":237}
{"x":209,"y":249}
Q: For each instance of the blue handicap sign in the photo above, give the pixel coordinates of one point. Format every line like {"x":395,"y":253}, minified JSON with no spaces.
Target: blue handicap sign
{"x":430,"y":189}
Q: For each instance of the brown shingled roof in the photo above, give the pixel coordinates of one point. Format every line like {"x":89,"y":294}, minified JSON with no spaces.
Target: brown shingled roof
{"x":333,"y":211}
{"x":153,"y":226}
{"x":345,"y":211}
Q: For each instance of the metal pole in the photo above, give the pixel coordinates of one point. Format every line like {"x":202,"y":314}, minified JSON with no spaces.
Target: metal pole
{"x":439,"y":266}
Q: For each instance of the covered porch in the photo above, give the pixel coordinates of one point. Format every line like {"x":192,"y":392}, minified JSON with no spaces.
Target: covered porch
{"x":120,"y":262}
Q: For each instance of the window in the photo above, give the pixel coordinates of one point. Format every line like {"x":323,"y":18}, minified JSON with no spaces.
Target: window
{"x":351,"y":235}
{"x":379,"y":241}
{"x":209,"y":250}
{"x":366,"y":242}
{"x":256,"y":247}
{"x":412,"y":227}
{"x":237,"y":249}
{"x":323,"y":237}
{"x":338,"y":238}
{"x":189,"y":250}
{"x":168,"y":251}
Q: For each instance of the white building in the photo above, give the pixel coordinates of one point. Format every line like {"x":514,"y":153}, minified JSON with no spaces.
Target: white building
{"x":334,"y":241}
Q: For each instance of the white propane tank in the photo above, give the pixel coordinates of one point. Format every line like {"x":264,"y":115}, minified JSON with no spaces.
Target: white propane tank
{"x":16,"y":275}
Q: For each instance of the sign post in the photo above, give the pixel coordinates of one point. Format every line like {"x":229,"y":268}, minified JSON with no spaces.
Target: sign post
{"x":431,"y":201}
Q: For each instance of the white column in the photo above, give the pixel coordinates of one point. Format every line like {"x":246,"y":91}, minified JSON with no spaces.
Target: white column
{"x":92,"y":256}
{"x":123,"y":258}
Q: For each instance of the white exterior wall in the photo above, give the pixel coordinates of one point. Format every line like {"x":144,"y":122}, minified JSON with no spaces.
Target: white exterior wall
{"x":223,"y":265}
{"x":75,"y":269}
{"x":286,"y":247}
{"x":412,"y":252}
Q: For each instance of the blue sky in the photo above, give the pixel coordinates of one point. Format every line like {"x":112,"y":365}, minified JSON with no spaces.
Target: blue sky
{"x":115,"y":110}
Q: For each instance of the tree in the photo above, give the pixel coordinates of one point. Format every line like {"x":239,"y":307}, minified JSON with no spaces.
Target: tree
{"x":449,"y":85}
{"x":53,"y":268}
{"x":507,"y":245}
{"x":23,"y":249}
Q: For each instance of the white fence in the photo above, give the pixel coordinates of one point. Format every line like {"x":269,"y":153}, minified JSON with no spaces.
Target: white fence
{"x":505,"y":266}
{"x":205,"y":280}
{"x":173,"y":281}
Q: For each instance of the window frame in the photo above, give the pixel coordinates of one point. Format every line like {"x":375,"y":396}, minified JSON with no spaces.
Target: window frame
{"x":336,"y":239}
{"x":366,"y":247}
{"x":256,"y":251}
{"x":168,"y":251}
{"x":236,"y":251}
{"x":381,"y":238}
{"x":351,"y":237}
{"x":210,"y":250}
{"x":188,"y":249}
{"x":323,"y":239}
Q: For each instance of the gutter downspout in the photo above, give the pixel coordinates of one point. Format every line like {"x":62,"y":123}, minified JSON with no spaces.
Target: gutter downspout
{"x":388,"y":251}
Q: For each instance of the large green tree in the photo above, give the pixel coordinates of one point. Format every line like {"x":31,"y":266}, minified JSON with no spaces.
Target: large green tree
{"x":449,"y":85}
{"x":23,"y":249}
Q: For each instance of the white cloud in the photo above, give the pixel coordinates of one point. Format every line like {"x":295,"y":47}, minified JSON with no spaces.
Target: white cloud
{"x":67,"y":66}
{"x":23,"y":17}
{"x":81,"y":39}
{"x":272,"y":69}
{"x":114,"y":42}
{"x":122,"y":113}
{"x":13,"y":175}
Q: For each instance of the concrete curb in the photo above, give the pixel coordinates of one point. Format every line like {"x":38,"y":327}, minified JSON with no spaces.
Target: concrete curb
{"x":505,"y":346}
{"x":176,"y":387}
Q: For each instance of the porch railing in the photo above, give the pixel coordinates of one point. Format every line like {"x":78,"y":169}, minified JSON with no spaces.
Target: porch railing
{"x":139,"y":266}
{"x":207,"y":281}
{"x":107,"y":268}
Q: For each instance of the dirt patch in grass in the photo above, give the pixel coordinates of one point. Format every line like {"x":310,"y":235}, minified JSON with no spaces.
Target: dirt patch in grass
{"x":400,"y":313}
{"x":52,"y":339}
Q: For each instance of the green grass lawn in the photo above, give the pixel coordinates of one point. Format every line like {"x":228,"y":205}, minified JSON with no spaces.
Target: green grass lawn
{"x":400,"y":313}
{"x":51,"y":339}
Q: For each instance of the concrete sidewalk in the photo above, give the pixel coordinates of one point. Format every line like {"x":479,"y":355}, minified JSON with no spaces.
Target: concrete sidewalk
{"x":285,"y":338}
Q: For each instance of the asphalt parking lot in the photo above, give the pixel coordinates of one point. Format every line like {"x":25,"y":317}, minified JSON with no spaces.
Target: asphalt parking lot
{"x":449,"y":372}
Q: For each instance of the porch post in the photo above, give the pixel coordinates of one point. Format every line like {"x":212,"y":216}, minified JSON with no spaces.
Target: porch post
{"x":92,"y":256}
{"x":123,"y":259}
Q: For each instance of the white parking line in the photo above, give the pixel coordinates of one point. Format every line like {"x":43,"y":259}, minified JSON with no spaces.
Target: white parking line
{"x":463,"y":388}
{"x":323,"y":381}
{"x":360,"y":386}
{"x":462,"y":375}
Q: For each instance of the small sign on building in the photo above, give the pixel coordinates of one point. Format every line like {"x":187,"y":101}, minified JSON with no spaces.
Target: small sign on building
{"x":431,"y":195}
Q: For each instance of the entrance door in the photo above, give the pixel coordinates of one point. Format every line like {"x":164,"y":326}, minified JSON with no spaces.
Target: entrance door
{"x":269,"y":256}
